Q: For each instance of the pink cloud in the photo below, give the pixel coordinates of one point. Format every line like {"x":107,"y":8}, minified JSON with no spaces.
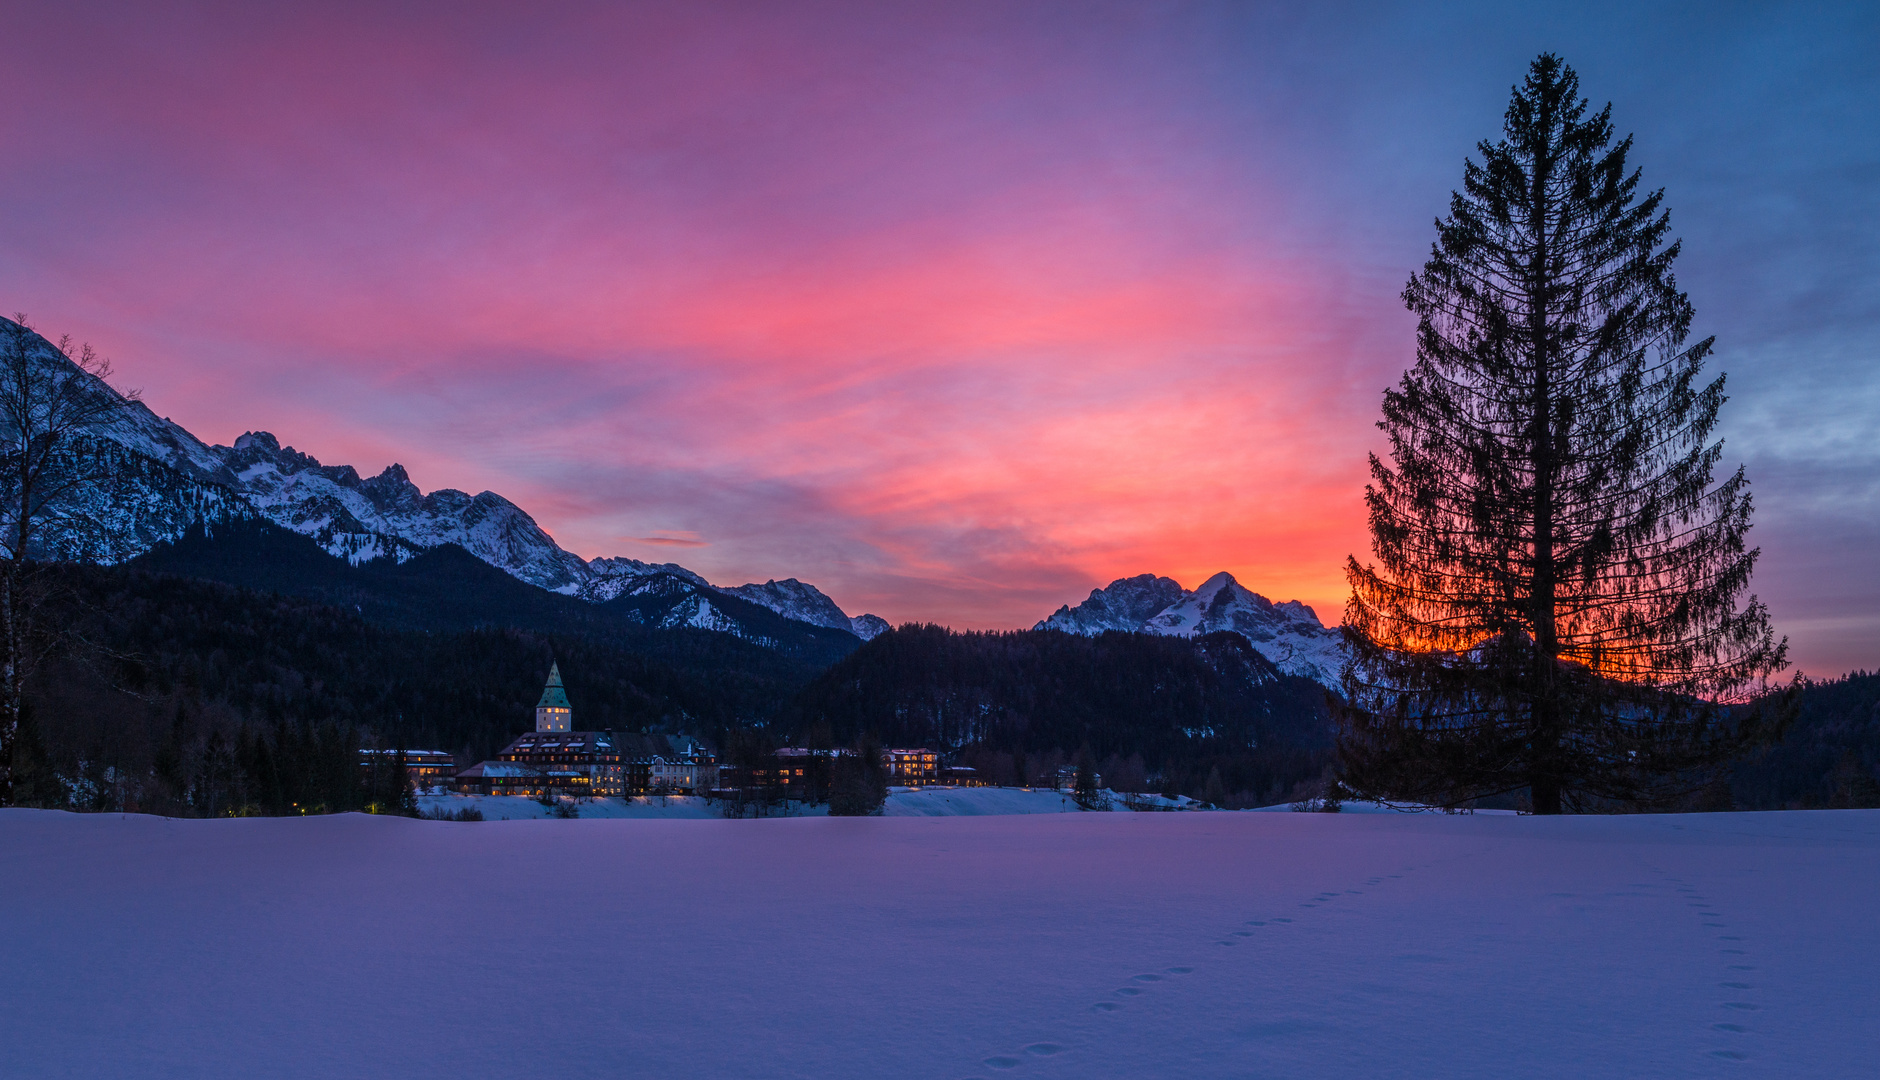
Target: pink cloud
{"x":954,"y":310}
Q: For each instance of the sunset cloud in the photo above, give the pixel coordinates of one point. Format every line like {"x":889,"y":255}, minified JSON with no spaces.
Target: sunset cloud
{"x":956,"y":311}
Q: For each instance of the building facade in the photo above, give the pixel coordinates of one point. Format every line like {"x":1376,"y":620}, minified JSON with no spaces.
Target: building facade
{"x":912,"y":768}
{"x":553,"y":759}
{"x":667,"y":764}
{"x":569,"y":762}
{"x":422,"y":767}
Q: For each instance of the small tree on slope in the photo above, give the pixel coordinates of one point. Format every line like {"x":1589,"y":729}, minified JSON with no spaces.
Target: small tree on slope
{"x":1556,"y":601}
{"x":50,"y":400}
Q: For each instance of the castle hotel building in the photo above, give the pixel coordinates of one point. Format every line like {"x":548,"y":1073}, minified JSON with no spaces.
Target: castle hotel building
{"x":551,"y":760}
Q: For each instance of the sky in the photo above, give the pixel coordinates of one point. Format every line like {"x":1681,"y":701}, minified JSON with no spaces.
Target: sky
{"x":956,"y":310}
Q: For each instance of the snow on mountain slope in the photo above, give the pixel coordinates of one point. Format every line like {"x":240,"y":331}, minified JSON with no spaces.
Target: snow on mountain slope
{"x":1288,"y":634}
{"x":793,"y":599}
{"x":164,"y":440}
{"x":159,"y":479}
{"x":141,"y":502}
{"x":164,"y":480}
{"x":332,"y":504}
{"x":868,"y":627}
{"x":1125,"y":604}
{"x":614,"y":577}
{"x":388,"y":515}
{"x":699,"y":613}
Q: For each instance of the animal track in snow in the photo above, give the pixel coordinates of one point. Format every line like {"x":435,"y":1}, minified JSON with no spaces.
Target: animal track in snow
{"x":1145,"y":982}
{"x":1703,"y":909}
{"x":1044,"y":1049}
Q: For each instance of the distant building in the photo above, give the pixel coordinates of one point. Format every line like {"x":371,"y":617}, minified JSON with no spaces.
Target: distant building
{"x":1067,"y":778}
{"x":499,"y":778}
{"x":962,"y":776}
{"x":666,"y":764}
{"x":569,"y":762}
{"x":912,"y":768}
{"x":422,"y":767}
{"x":551,"y":760}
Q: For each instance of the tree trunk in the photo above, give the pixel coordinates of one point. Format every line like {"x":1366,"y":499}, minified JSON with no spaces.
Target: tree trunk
{"x":13,"y":665}
{"x":9,"y":681}
{"x":1543,"y":715}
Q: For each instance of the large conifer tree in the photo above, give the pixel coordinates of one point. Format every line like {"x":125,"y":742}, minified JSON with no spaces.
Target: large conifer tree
{"x":1557,"y":603}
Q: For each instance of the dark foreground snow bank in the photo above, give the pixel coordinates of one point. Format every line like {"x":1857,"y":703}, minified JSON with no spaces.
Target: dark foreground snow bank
{"x":1127,"y":945}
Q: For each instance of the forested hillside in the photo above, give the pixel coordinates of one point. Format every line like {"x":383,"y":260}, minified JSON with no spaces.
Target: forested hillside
{"x":1829,"y":756}
{"x":1209,"y":717}
{"x":182,"y":695}
{"x":446,"y":588}
{"x":161,"y":669}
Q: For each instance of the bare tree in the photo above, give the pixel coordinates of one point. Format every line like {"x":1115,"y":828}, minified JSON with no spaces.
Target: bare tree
{"x":51,"y":402}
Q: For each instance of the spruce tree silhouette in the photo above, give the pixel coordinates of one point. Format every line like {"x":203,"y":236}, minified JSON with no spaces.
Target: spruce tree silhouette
{"x":1557,"y":600}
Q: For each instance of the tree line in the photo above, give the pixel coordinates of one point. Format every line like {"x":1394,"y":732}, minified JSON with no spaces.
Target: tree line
{"x":187,"y":696}
{"x":1148,"y":712}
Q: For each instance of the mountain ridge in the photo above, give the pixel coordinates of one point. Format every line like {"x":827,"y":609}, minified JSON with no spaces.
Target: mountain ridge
{"x":170,"y":480}
{"x":1289,"y":633}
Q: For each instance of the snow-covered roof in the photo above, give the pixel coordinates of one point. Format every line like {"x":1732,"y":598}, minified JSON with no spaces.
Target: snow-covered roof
{"x":489,"y":769}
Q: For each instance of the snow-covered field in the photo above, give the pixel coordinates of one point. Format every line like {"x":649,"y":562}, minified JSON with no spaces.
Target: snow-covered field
{"x":1125,"y":945}
{"x":902,"y":802}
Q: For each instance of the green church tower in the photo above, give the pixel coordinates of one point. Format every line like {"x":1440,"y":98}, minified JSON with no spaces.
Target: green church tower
{"x":553,"y":713}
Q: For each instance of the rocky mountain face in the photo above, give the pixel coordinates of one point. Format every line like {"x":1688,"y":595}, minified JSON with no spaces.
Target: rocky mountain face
{"x":1289,"y":634}
{"x":792,"y":599}
{"x":166,"y":480}
{"x":387,"y":515}
{"x":143,"y":502}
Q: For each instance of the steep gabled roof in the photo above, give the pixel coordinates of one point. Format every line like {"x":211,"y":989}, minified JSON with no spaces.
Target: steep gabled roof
{"x":553,"y":696}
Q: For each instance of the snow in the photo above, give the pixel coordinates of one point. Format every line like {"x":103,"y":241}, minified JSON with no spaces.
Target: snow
{"x":902,"y":802}
{"x":364,"y":519}
{"x":519,"y":808}
{"x":956,"y":802}
{"x":1188,"y":944}
{"x":794,"y":599}
{"x":868,"y":627}
{"x":1289,"y":634}
{"x":618,"y":576}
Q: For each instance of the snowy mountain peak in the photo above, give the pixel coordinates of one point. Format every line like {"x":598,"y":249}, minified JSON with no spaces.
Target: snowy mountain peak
{"x":868,"y":627}
{"x":1125,"y":604}
{"x":165,"y":480}
{"x":1289,"y":634}
{"x":793,"y":599}
{"x":613,"y":577}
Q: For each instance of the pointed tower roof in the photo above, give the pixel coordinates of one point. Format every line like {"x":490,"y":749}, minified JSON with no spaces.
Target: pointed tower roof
{"x":553,"y":696}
